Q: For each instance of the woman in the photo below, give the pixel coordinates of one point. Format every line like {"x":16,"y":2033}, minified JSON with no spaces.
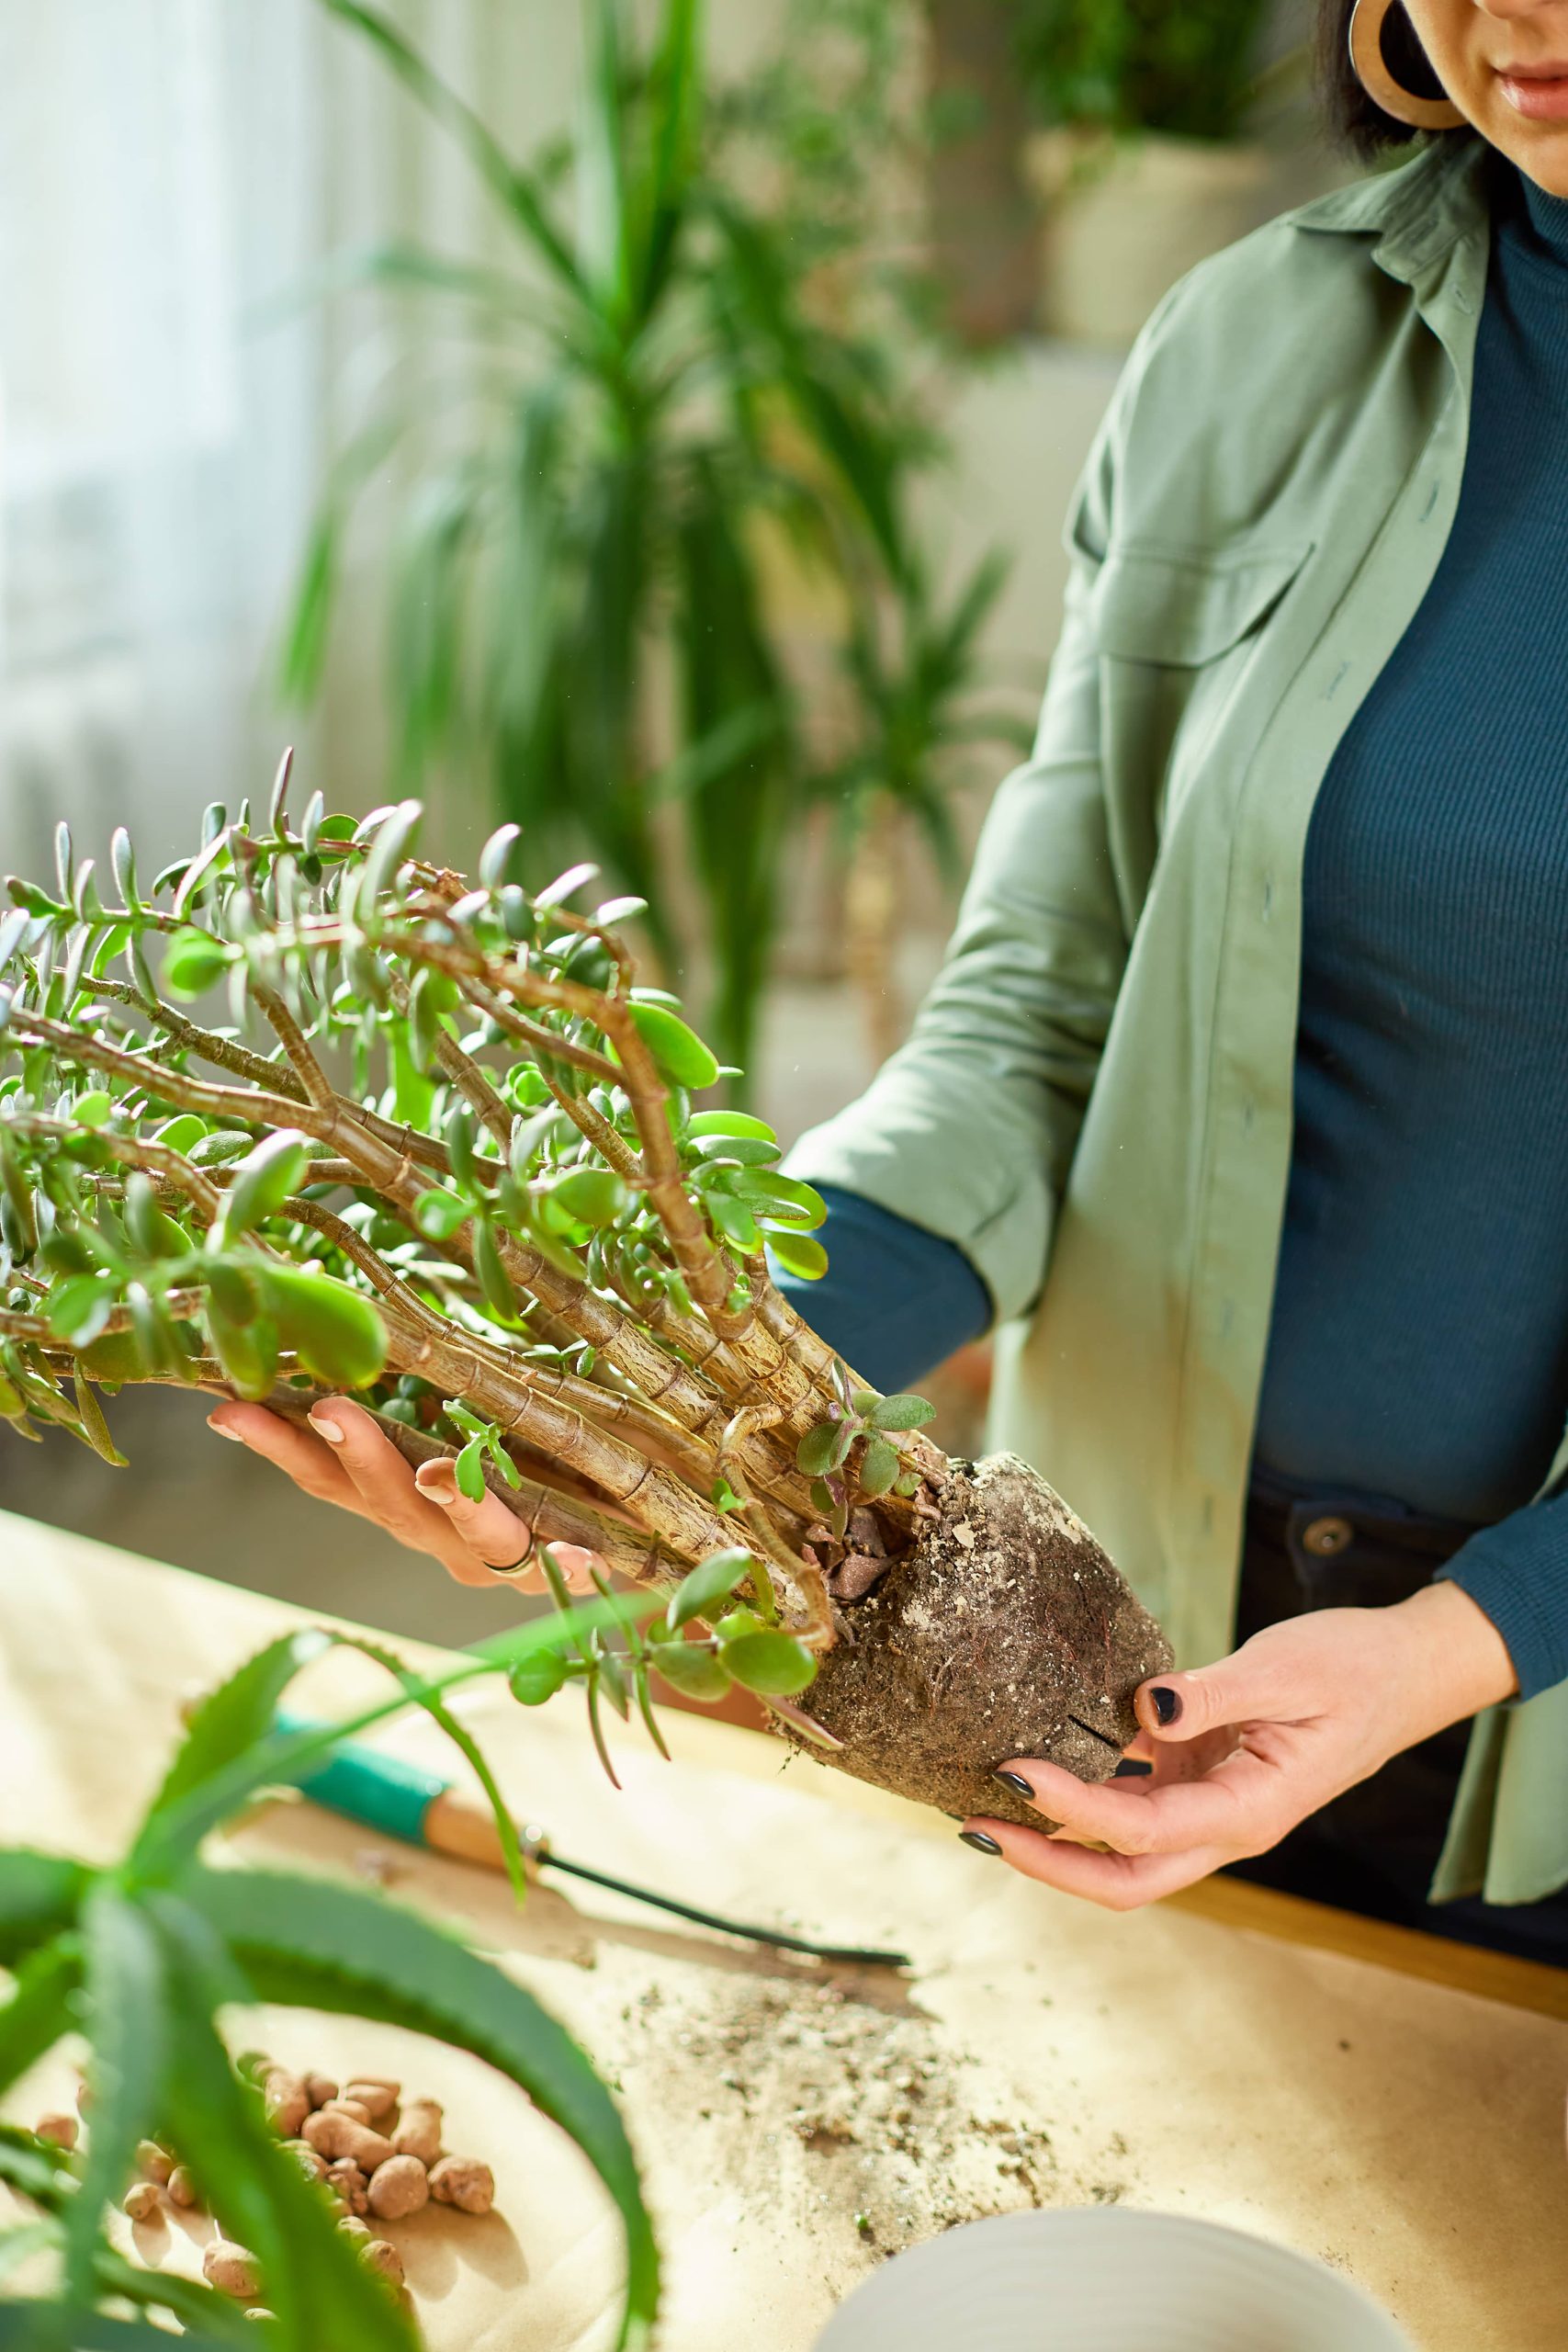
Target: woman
{"x":1241,"y":1101}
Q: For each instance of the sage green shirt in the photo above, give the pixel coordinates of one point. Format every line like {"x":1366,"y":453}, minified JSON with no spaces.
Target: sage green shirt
{"x":1096,"y":1102}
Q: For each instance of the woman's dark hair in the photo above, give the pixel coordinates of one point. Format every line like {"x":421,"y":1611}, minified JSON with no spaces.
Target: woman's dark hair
{"x":1355,"y":120}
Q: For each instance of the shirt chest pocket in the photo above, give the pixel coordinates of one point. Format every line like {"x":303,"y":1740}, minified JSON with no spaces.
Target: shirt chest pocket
{"x":1177,"y":629}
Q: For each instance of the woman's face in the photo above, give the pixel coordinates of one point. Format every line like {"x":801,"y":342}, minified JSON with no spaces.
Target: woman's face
{"x":1505,"y":65}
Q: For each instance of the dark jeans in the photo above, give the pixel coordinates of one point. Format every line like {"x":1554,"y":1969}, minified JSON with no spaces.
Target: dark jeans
{"x":1374,"y":1849}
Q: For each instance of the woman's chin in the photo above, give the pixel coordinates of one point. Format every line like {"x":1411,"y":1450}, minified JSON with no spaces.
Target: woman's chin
{"x":1537,"y":143}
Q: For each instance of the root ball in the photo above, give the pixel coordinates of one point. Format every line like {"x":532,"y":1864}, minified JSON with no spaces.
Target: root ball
{"x":1006,"y":1632}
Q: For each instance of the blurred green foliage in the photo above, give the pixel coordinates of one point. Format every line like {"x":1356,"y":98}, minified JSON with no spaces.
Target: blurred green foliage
{"x":1127,"y":65}
{"x":700,"y":367}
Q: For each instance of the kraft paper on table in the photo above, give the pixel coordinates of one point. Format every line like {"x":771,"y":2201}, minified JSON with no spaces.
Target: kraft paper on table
{"x":795,"y":2124}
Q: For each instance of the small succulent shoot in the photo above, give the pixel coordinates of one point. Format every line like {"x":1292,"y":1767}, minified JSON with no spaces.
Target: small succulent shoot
{"x":312,"y":1113}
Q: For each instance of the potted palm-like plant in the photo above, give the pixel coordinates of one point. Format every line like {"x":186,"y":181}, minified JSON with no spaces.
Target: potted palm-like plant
{"x":595,"y":587}
{"x":1147,"y":160}
{"x":447,"y":1154}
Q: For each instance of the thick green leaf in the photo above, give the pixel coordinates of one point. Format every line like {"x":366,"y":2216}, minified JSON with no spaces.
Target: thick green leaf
{"x":319,"y":1945}
{"x":879,"y":1467}
{"x":824,"y":1448}
{"x":799,"y":1253}
{"x":78,"y":1308}
{"x":536,"y":1680}
{"x":692,"y":1668}
{"x":470,"y":1470}
{"x":771,"y":1195}
{"x":193,"y":963}
{"x":901,"y":1413}
{"x":594,"y":1197}
{"x":773,"y":1664}
{"x":730,"y":1123}
{"x":386,"y":853}
{"x":95,"y":1428}
{"x":494,"y":1280}
{"x":247,"y":1351}
{"x":439,"y":1214}
{"x":336,"y":1332}
{"x":678,"y":1051}
{"x":40,"y":1894}
{"x":735,"y":1222}
{"x":703,"y":1587}
{"x":264,"y":1180}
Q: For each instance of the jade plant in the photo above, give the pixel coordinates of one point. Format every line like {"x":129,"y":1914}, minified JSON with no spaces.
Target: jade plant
{"x":433,"y":1145}
{"x":147,"y":1957}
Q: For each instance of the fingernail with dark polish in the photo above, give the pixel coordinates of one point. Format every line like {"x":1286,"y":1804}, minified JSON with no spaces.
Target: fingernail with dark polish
{"x":1167,"y":1704}
{"x":978,"y":1840}
{"x":1131,"y":1768}
{"x":1014,"y":1781}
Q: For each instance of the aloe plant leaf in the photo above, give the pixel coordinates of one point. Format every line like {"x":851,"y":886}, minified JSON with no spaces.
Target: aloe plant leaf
{"x":36,"y":2168}
{"x":233,"y":1718}
{"x":35,"y":2327}
{"x":127,"y":2002}
{"x":320,"y":2291}
{"x":178,"y":1820}
{"x":40,"y":2011}
{"x":312,"y":1943}
{"x":40,"y":1895}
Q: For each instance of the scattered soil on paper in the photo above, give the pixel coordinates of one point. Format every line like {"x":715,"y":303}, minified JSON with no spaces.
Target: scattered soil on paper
{"x":856,"y":2119}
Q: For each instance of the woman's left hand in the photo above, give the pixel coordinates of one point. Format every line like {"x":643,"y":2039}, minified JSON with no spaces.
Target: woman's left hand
{"x":1244,"y":1750}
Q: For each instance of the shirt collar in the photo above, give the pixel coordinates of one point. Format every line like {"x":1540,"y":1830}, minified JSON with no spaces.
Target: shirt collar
{"x":1417,"y":213}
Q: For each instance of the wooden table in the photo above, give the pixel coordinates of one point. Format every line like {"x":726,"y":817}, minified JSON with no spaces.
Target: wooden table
{"x":1389,"y":2103}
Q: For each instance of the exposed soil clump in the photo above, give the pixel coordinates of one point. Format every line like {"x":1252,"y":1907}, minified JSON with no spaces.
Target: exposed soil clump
{"x":1006,"y":1632}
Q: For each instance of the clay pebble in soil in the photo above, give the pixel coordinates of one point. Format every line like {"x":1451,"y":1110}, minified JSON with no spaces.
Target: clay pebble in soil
{"x":1007,"y":1631}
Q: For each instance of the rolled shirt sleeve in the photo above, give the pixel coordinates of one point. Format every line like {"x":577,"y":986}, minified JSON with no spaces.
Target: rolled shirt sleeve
{"x":968,"y":1130}
{"x":895,"y":1300}
{"x":1517,"y":1572}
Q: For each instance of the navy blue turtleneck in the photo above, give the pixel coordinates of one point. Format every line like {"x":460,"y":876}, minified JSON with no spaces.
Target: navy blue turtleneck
{"x":1419,"y":1346}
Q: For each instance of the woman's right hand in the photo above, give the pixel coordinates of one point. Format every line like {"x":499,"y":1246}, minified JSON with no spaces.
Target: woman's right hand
{"x":345,"y":1459}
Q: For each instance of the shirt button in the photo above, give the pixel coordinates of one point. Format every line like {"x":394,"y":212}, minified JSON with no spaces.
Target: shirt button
{"x":1324,"y":1537}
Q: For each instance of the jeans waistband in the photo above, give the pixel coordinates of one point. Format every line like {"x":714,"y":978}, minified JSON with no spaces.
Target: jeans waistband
{"x":1324,"y":1523}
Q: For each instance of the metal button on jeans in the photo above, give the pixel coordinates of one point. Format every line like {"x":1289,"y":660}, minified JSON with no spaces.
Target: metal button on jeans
{"x":1324,"y":1537}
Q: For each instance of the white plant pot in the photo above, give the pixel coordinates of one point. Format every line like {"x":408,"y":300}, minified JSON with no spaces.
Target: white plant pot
{"x":1106,"y":2279}
{"x":1124,"y":219}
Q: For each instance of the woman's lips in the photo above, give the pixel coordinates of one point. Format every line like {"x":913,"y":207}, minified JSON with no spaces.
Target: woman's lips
{"x":1539,"y":93}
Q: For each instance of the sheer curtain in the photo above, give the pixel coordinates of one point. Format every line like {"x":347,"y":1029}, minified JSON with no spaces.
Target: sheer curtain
{"x":158,"y":182}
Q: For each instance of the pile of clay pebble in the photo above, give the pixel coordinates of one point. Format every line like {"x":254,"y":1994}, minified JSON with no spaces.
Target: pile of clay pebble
{"x":378,"y":2153}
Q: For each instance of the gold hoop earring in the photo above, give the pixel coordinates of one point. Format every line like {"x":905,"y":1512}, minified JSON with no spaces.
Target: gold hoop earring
{"x":1371,"y":67}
